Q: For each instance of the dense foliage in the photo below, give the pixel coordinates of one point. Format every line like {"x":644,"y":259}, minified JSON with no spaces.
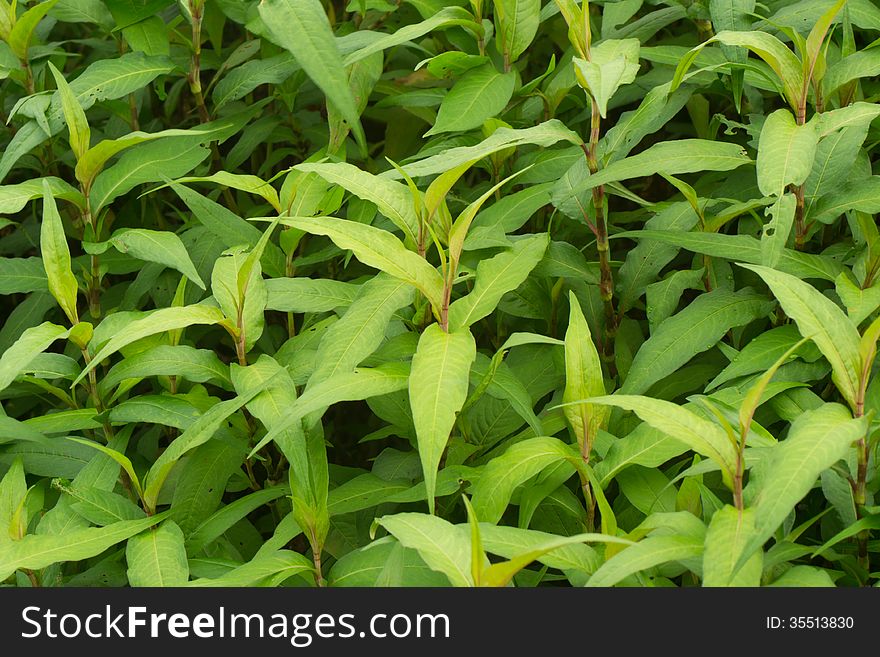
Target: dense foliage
{"x":432,"y":292}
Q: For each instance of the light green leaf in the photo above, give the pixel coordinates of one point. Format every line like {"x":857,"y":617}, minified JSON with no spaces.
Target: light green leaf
{"x":786,"y":152}
{"x":157,"y":321}
{"x":583,"y":379}
{"x":518,"y":464}
{"x":377,"y":248}
{"x":694,"y":329}
{"x":38,"y":551}
{"x":274,"y":568}
{"x":544,"y":134}
{"x":818,"y":318}
{"x":13,"y":198}
{"x":613,"y":63}
{"x":392,"y":198}
{"x":361,"y":330}
{"x":479,"y":94}
{"x":438,"y":388}
{"x":74,"y":115}
{"x":33,"y":341}
{"x":56,"y":257}
{"x":157,"y":557}
{"x":301,"y":27}
{"x":309,"y":295}
{"x":91,"y":161}
{"x":445,"y":547}
{"x":360,"y":384}
{"x":650,"y":552}
{"x":700,"y":435}
{"x":182,"y":361}
{"x":516,"y":24}
{"x":816,"y":440}
{"x":442,"y":19}
{"x":158,"y":246}
{"x":496,"y":277}
{"x":776,"y":54}
{"x":728,"y":534}
{"x":778,"y":230}
{"x":149,"y":162}
{"x":19,"y":38}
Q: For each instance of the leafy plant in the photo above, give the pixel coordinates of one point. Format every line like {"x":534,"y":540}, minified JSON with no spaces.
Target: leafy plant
{"x":439,"y":292}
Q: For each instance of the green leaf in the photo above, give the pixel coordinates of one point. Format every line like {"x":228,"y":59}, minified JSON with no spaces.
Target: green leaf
{"x":309,"y":295}
{"x":694,"y":329}
{"x":583,"y":379}
{"x":700,"y":435}
{"x":149,"y":162}
{"x":519,"y":463}
{"x":91,"y":161}
{"x":158,"y":246}
{"x":785,"y":152}
{"x":438,"y":388}
{"x":444,"y":18}
{"x":226,"y":516}
{"x":816,"y":440}
{"x":198,"y":433}
{"x":103,"y":507}
{"x":728,"y":534}
{"x":508,"y":542}
{"x":240,"y":181}
{"x":182,"y":361}
{"x":516,"y":24}
{"x":362,"y":328}
{"x":13,"y":490}
{"x":272,"y":568}
{"x":612,"y":64}
{"x":743,"y":248}
{"x":671,"y":158}
{"x":446,"y":548}
{"x":157,"y":321}
{"x":241,"y":81}
{"x":479,"y":94}
{"x":19,"y":38}
{"x":120,"y":458}
{"x":362,"y":383}
{"x":301,"y":27}
{"x":818,"y":318}
{"x":544,"y":134}
{"x":33,"y":341}
{"x":202,"y":482}
{"x":495,"y":277}
{"x":733,"y":15}
{"x":778,"y":230}
{"x":38,"y":551}
{"x":13,"y":198}
{"x":393,"y":199}
{"x":56,"y":257}
{"x":650,"y":552}
{"x":157,"y":557}
{"x":379,"y":249}
{"x":230,"y":229}
{"x":776,"y":54}
{"x":761,"y":352}
{"x":74,"y":115}
{"x":106,"y":79}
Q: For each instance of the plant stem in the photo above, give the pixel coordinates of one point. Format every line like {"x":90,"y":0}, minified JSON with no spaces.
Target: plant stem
{"x":195,"y":69}
{"x":738,"y":482}
{"x":800,"y":229}
{"x":28,"y":77}
{"x":606,"y":280}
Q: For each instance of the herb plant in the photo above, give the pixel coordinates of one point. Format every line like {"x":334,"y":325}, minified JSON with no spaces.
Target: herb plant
{"x":439,"y":292}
